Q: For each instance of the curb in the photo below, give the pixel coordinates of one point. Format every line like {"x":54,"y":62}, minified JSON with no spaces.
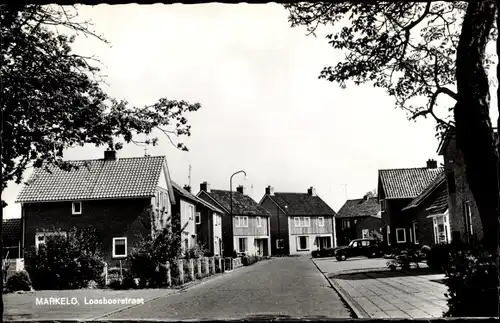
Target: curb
{"x":358,"y":312}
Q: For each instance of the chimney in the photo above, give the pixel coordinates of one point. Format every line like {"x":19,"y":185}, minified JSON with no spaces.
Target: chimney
{"x":311,"y":191}
{"x":110,"y":155}
{"x":270,"y":190}
{"x":205,"y":187}
{"x":431,"y":163}
{"x":187,"y":188}
{"x":241,"y":189}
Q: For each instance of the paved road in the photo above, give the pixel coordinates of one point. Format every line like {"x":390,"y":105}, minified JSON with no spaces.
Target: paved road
{"x":331,"y":266}
{"x":280,"y":287}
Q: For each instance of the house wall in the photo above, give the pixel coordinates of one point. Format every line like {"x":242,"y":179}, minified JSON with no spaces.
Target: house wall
{"x":162,"y":207}
{"x":396,"y":218}
{"x":110,"y":218}
{"x":217,"y":232}
{"x":251,"y":247}
{"x":278,"y":227}
{"x":344,"y":236}
{"x":314,"y":228}
{"x":187,"y":214}
{"x":252,"y":229}
{"x":311,"y":238}
{"x":204,"y":230}
{"x":370,"y":223}
{"x":453,"y":162}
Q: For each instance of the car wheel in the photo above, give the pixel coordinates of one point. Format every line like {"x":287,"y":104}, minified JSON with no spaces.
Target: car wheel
{"x":341,"y":258}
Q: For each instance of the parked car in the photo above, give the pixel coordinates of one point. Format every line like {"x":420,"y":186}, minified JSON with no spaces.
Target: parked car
{"x":326,"y":252}
{"x":368,"y":247}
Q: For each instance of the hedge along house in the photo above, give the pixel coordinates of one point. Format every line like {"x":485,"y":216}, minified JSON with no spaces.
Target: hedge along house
{"x":300,"y":222}
{"x":122,"y":198}
{"x":246,"y":230}
{"x":397,"y":188}
{"x":358,"y":218}
{"x":465,"y":223}
{"x":200,"y":220}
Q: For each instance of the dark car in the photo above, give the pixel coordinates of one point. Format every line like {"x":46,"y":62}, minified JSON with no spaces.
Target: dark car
{"x":360,"y":247}
{"x":326,"y":252}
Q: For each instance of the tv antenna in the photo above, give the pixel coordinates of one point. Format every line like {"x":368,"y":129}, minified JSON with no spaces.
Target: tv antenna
{"x":189,"y":176}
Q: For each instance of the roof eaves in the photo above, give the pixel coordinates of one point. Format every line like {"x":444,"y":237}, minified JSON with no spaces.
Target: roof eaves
{"x":214,"y":200}
{"x":275,"y":203}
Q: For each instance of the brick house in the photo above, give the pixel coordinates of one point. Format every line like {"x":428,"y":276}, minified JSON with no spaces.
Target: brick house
{"x":246,"y":230}
{"x":122,"y":198}
{"x":465,"y":222}
{"x":429,"y":213}
{"x":358,"y":218}
{"x":207,"y":220}
{"x":397,"y":188}
{"x":300,"y":222}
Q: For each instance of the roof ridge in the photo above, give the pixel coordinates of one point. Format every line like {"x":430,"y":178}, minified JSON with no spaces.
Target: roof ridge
{"x":408,"y":168}
{"x":117,"y":158}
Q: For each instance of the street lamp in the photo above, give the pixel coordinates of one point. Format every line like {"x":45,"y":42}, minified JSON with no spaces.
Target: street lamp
{"x":279,"y":228}
{"x":231,"y":201}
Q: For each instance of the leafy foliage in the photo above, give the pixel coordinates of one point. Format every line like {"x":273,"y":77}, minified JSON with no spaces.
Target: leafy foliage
{"x":66,"y":260}
{"x":150,"y":256}
{"x":406,"y":48}
{"x":52,"y":97}
{"x":20,"y":280}
{"x":195,"y":252}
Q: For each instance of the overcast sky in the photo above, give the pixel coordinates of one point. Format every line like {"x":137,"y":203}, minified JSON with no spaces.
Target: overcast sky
{"x":264,"y":110}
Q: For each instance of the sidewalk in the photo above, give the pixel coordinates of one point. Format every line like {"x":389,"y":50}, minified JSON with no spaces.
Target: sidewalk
{"x":384,"y":294}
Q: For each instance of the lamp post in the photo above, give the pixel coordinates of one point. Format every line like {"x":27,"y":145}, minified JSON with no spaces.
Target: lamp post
{"x":279,"y":228}
{"x":231,"y":202}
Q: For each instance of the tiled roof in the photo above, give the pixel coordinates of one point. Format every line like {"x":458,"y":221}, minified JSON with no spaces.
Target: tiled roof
{"x":406,"y":182}
{"x":184,"y":193}
{"x":95,"y":179}
{"x":302,"y":204}
{"x":440,"y":203}
{"x":438,"y":182}
{"x":12,"y":229}
{"x":242,"y":204}
{"x":359,"y":207}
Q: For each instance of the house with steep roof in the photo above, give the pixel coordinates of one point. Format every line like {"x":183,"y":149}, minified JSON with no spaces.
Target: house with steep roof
{"x":429,"y":213}
{"x":201,"y":222}
{"x":12,"y":232}
{"x":245,"y":224}
{"x":397,"y":188}
{"x":121,"y":198}
{"x":300,"y":222}
{"x":358,"y":218}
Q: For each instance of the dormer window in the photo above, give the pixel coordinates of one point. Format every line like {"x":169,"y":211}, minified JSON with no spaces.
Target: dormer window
{"x":76,"y":208}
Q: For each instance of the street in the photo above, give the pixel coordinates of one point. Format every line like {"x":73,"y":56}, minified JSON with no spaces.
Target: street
{"x":280,"y":287}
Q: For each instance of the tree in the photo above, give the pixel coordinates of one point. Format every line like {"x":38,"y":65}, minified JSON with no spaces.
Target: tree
{"x":52,"y":98}
{"x":417,"y":52}
{"x":370,"y":194}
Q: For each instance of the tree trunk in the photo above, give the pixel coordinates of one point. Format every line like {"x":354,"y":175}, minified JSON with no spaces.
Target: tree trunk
{"x":473,"y":125}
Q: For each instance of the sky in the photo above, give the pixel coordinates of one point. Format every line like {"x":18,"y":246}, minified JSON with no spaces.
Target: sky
{"x":264,"y":110}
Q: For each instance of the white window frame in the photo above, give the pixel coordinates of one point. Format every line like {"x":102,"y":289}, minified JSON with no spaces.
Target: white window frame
{"x":388,"y":235}
{"x":307,"y":243}
{"x":278,"y":243}
{"x":245,"y":222}
{"x":73,"y":212}
{"x":307,"y":222}
{"x":246,"y":245}
{"x":197,"y":218}
{"x":259,"y":222}
{"x":397,"y":237}
{"x":414,"y":228}
{"x":348,"y":226}
{"x":321,"y":221}
{"x":468,"y":215}
{"x":296,"y":222}
{"x":114,"y":245}
{"x":237,"y":224}
{"x":383,"y":206}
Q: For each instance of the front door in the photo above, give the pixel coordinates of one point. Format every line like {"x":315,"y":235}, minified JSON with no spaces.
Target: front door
{"x":324,"y":242}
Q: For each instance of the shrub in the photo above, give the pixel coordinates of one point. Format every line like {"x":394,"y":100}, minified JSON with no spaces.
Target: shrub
{"x":148,"y":258}
{"x":66,"y":261}
{"x":20,"y":280}
{"x":472,"y":280}
{"x":195,"y":252}
{"x":439,"y":256}
{"x":249,"y":260}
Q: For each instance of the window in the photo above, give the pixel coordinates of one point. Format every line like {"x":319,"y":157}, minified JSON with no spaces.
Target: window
{"x":241,"y":221}
{"x":365,"y":243}
{"x":400,"y":235}
{"x":198,"y":218}
{"x":321,"y":221}
{"x":280,"y":243}
{"x":259,"y":221}
{"x":242,"y":244}
{"x":388,"y":235}
{"x":303,"y":243}
{"x":76,"y":208}
{"x":157,"y":199}
{"x":415,"y":230}
{"x":450,"y":180}
{"x":346,"y":224}
{"x":296,"y":222}
{"x":119,"y":247}
{"x":355,"y":221}
{"x":382,"y":206}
